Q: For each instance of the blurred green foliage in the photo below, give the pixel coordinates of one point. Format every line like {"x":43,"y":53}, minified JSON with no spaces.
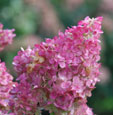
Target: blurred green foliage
{"x":27,"y":20}
{"x":16,"y":14}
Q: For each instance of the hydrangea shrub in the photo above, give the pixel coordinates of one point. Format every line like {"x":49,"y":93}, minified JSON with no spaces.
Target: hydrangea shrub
{"x":59,"y":74}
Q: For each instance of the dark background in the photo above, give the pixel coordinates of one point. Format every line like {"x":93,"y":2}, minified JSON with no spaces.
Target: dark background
{"x":35,"y":20}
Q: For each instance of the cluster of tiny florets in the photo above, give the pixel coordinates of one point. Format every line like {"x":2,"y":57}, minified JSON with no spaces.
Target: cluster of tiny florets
{"x":60,"y":72}
{"x":6,"y":37}
{"x":6,"y":80}
{"x":6,"y":84}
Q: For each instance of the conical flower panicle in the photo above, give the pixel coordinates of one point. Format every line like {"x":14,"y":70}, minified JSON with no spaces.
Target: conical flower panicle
{"x":60,"y":72}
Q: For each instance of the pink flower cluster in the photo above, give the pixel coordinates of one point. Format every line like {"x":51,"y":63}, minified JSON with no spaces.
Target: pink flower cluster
{"x":60,"y":72}
{"x":6,"y":84}
{"x":6,"y":37}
